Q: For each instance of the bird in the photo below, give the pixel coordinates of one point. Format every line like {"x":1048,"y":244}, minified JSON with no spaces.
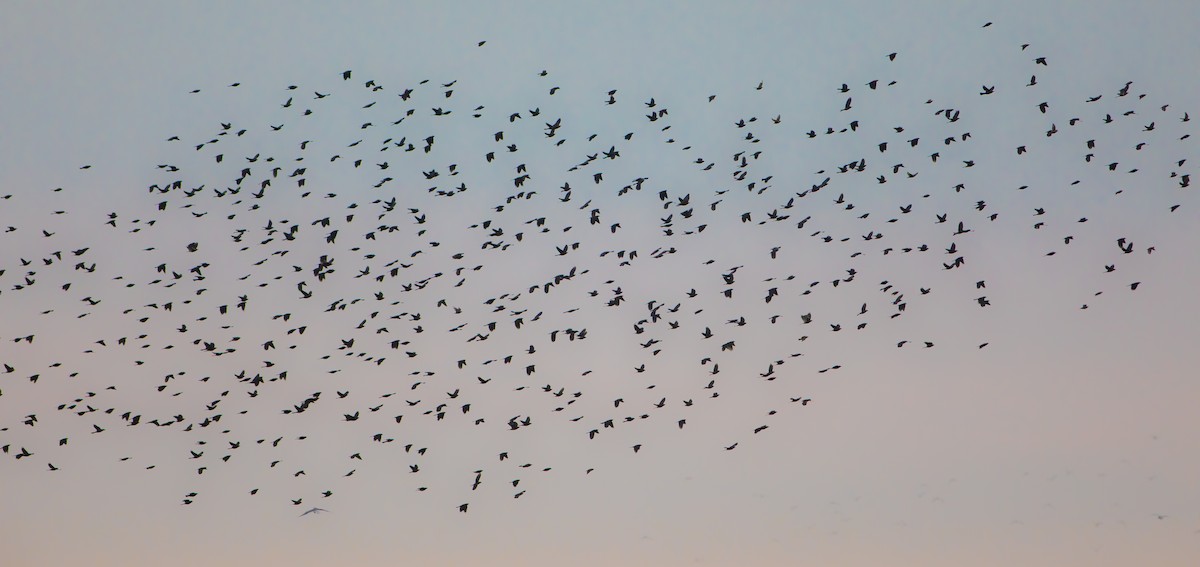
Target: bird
{"x":470,"y":270}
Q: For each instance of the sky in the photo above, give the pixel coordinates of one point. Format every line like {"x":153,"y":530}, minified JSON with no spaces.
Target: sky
{"x":411,"y":317}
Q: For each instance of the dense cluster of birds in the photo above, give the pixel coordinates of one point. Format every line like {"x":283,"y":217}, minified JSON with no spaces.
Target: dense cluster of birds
{"x":406,"y":272}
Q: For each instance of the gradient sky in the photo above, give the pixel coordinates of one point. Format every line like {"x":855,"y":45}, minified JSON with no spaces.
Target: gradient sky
{"x":1070,"y":439}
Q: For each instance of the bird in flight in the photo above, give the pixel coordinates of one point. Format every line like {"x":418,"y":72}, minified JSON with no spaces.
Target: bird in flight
{"x":393,"y":290}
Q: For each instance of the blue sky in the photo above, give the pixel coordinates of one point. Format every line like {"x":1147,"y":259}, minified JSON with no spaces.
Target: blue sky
{"x":1068,"y":439}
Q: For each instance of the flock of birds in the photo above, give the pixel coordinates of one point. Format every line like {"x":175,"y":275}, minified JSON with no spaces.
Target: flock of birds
{"x":373,"y":262}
